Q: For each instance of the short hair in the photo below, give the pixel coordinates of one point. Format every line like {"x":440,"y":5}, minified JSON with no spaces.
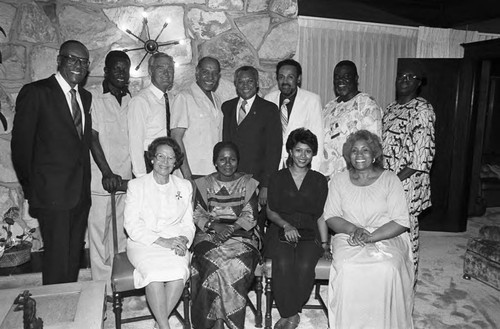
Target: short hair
{"x":289,"y":62}
{"x":157,"y":55}
{"x":253,"y":71}
{"x":68,"y":43}
{"x":206,"y":58}
{"x":304,"y":136}
{"x":179,"y":156}
{"x":348,"y":64}
{"x":222,"y":145}
{"x":374,"y":144}
{"x":115,"y":55}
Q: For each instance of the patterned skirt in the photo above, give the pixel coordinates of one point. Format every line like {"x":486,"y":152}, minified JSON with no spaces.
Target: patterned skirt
{"x":222,"y":275}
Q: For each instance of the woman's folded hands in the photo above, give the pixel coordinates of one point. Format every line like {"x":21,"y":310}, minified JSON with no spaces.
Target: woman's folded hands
{"x":359,"y":237}
{"x":178,"y":244}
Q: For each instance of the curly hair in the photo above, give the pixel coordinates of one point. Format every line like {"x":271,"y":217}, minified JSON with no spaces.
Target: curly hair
{"x":374,"y":144}
{"x":153,"y":147}
{"x":304,"y":136}
{"x":222,"y":145}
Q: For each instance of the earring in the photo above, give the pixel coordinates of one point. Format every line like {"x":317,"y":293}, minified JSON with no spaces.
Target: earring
{"x":152,"y":161}
{"x":373,"y":160}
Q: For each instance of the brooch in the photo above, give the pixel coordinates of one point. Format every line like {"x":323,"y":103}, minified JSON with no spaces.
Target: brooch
{"x":178,"y":195}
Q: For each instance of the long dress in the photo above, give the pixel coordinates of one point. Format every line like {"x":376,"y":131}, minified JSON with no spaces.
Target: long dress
{"x":153,"y":210}
{"x":370,"y":286}
{"x":223,"y":272}
{"x":408,"y":140}
{"x":294,"y":264}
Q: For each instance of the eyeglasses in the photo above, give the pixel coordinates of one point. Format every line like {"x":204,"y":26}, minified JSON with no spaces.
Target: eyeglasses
{"x":163,"y":158}
{"x":72,"y":60}
{"x":407,"y":76}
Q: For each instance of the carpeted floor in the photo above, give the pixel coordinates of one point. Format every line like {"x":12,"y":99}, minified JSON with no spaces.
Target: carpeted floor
{"x":444,"y":300}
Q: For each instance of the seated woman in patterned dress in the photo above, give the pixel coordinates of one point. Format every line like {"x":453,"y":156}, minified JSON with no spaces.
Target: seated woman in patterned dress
{"x":226,"y":243}
{"x":159,"y":221}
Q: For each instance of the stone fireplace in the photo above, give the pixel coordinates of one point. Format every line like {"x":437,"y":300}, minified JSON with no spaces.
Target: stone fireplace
{"x":236,"y":32}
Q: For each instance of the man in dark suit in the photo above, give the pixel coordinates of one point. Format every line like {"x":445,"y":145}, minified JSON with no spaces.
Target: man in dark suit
{"x":254,"y":125}
{"x":50,"y":151}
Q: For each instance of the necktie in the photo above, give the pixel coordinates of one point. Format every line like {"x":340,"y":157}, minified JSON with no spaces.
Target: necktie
{"x":77,"y":114}
{"x":167,"y":110}
{"x":242,"y":112}
{"x":284,"y":117}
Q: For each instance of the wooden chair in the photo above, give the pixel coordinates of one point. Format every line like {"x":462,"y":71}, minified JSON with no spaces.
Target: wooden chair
{"x":122,"y":283}
{"x":321,"y":278}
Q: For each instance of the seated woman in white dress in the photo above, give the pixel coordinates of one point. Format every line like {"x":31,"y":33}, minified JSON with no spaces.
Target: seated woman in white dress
{"x":159,"y":222}
{"x":371,"y":278}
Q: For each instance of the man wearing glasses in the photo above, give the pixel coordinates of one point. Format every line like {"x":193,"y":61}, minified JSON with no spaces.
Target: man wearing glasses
{"x":51,"y":138}
{"x":350,"y":111}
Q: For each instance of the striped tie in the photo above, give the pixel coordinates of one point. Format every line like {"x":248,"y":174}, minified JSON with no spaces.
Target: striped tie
{"x":284,"y":116}
{"x":242,"y":112}
{"x":77,"y":114}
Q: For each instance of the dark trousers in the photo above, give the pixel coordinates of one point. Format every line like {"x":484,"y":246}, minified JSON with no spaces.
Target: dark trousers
{"x":293,"y":275}
{"x":63,"y":233}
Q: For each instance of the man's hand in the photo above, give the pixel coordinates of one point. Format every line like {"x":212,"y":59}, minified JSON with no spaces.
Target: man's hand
{"x":263,"y":196}
{"x":111,"y":182}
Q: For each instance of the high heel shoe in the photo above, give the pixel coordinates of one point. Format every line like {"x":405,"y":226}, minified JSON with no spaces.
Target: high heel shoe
{"x":280,"y":323}
{"x":291,"y":322}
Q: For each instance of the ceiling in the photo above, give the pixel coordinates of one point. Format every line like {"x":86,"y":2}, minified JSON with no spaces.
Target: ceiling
{"x":478,"y":15}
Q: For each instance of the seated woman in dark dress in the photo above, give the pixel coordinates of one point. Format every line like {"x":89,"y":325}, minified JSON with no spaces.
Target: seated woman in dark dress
{"x":297,"y":237}
{"x":226,"y":242}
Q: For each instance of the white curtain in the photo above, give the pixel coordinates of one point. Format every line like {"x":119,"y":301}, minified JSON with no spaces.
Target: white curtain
{"x":446,"y":43}
{"x":374,"y":48}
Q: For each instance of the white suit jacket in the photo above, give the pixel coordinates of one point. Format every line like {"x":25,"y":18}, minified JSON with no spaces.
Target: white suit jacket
{"x":307,"y":112}
{"x":142,"y":199}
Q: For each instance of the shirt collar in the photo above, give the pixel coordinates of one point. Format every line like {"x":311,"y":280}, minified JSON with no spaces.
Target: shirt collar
{"x":64,"y":84}
{"x":106,"y":89}
{"x":291,"y":98}
{"x":156,"y":91}
{"x":249,"y":102}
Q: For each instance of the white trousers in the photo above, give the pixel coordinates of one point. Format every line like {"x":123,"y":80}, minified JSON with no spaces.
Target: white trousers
{"x":100,"y":232}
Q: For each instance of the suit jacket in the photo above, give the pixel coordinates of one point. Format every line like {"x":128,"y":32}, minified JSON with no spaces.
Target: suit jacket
{"x":258,"y":137}
{"x":307,"y":113}
{"x":51,"y":161}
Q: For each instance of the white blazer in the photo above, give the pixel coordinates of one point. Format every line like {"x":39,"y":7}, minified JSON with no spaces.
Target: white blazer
{"x":307,"y":112}
{"x":142,"y":200}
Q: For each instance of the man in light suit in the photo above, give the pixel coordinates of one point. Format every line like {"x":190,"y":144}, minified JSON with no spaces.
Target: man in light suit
{"x":254,"y":125}
{"x":298,"y":107}
{"x":50,"y":151}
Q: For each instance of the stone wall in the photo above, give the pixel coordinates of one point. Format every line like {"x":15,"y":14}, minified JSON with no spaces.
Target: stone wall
{"x":237,"y":32}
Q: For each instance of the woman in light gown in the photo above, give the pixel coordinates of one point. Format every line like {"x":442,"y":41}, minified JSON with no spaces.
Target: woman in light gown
{"x":371,"y":278}
{"x":159,"y":222}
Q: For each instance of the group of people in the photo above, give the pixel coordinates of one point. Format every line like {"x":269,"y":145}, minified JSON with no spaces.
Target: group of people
{"x":205,"y":189}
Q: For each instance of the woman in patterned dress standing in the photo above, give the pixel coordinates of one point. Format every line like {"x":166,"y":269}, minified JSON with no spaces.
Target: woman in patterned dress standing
{"x":408,"y":141}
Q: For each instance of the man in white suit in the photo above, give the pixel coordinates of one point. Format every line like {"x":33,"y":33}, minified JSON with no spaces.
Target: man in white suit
{"x":298,"y":107}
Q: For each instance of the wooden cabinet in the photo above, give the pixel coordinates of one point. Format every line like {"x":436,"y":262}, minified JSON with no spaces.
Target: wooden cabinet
{"x":465,"y":96}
